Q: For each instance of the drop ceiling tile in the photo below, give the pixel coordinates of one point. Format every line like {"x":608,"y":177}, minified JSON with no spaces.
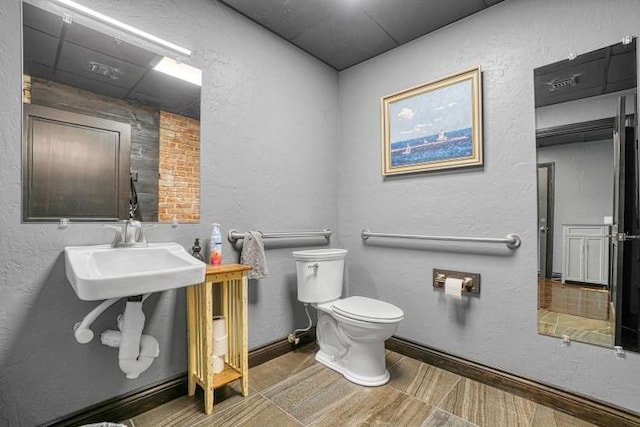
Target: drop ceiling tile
{"x":41,"y":20}
{"x":39,"y":47}
{"x":90,"y":85}
{"x":344,"y":32}
{"x":345,"y":39}
{"x":76,"y":59}
{"x":164,"y":92}
{"x":287,"y":18}
{"x":406,"y":20}
{"x":36,"y":69}
{"x":108,"y":45}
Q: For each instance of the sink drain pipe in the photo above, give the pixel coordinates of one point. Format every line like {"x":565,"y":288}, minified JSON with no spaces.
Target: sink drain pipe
{"x":81,"y":330}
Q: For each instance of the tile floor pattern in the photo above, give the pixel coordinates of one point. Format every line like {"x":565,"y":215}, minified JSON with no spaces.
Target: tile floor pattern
{"x":295,"y":390}
{"x":577,"y":328}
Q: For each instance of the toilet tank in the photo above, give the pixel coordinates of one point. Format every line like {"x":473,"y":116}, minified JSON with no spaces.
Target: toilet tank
{"x":320,"y":273}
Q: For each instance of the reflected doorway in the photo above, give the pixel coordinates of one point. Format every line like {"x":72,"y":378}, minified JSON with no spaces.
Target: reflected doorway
{"x":545,"y":219}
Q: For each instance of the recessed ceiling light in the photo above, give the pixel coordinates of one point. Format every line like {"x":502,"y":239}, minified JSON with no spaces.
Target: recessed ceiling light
{"x":179,"y":70}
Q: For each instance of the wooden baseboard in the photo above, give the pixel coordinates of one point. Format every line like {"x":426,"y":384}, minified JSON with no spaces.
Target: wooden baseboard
{"x":579,"y":406}
{"x":129,"y":405}
{"x":138,"y":401}
{"x":277,"y":348}
{"x":122,"y":407}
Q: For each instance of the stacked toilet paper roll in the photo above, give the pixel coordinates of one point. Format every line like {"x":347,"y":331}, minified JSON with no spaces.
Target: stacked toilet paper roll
{"x":220,"y":343}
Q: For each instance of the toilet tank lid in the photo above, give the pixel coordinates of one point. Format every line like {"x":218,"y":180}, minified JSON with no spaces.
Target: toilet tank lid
{"x":320,"y":254}
{"x":368,"y":309}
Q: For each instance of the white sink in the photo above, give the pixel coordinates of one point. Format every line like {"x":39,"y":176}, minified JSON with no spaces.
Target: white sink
{"x":102,"y":272}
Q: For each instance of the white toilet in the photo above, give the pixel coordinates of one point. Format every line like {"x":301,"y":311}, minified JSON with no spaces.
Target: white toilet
{"x":351,"y":331}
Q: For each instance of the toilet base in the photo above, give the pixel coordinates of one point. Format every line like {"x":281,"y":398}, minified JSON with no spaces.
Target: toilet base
{"x":332,"y":363}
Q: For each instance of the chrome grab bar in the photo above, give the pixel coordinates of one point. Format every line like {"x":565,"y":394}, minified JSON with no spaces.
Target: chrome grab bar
{"x":235,"y":235}
{"x":512,"y":241}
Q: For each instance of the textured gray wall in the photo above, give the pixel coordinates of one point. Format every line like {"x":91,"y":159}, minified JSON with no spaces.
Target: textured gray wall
{"x":270,"y":148}
{"x":498,"y":329}
{"x":269,"y":129}
{"x":583,"y":186}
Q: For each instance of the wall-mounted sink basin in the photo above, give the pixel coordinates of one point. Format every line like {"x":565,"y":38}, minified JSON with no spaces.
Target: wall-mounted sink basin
{"x":102,"y":272}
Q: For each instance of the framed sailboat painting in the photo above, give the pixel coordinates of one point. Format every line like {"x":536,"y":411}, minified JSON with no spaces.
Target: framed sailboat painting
{"x":434,"y":126}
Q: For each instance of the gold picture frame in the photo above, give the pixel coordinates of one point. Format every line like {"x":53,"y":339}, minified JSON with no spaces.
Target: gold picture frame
{"x":433,"y":126}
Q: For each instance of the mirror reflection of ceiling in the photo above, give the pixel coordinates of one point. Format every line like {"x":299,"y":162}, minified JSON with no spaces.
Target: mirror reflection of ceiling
{"x":342,"y":33}
{"x":79,"y":56}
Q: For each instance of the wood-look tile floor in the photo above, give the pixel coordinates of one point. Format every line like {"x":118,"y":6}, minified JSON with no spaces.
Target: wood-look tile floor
{"x":577,"y":328}
{"x":295,"y":390}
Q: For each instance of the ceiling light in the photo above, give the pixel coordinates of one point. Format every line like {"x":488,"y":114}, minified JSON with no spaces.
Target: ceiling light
{"x":179,"y":70}
{"x":121,"y":25}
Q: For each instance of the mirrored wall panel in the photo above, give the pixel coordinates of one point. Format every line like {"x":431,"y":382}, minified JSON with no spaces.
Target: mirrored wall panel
{"x":588,"y":197}
{"x":111,"y":130}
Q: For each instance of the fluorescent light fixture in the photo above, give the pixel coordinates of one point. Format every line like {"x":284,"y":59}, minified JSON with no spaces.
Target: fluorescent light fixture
{"x":179,"y":70}
{"x":121,"y":25}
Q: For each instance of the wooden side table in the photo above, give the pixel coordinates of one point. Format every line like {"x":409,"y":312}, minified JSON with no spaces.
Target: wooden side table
{"x":232,"y":278}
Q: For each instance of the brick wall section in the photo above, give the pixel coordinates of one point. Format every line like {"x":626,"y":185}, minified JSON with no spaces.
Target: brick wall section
{"x":26,"y":89}
{"x":179,"y":185}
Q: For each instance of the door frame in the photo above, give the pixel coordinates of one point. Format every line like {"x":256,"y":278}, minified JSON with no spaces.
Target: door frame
{"x":617,"y":245}
{"x":548,"y":250}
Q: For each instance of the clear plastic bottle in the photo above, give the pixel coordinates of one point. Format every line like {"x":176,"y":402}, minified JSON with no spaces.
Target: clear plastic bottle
{"x":216,"y":245}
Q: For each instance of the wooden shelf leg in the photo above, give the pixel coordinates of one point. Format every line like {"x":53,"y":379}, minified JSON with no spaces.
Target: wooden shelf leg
{"x":192,"y":385}
{"x":244,"y":362}
{"x":208,"y":348}
{"x":208,"y":400}
{"x":191,"y":331}
{"x":245,"y":385}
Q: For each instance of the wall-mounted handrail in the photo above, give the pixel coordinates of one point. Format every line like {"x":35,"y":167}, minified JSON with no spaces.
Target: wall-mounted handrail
{"x":512,"y":240}
{"x":235,"y":235}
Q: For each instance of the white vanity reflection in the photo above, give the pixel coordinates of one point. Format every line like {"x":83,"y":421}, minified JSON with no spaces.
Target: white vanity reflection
{"x":585,"y":254}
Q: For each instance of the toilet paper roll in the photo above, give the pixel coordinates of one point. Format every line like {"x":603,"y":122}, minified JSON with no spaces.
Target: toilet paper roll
{"x":218,"y":364}
{"x":219,"y":326}
{"x":453,"y":288}
{"x":220,"y":341}
{"x":220,"y":345}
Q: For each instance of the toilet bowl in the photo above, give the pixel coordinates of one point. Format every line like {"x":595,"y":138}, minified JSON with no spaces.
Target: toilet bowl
{"x":351,"y":331}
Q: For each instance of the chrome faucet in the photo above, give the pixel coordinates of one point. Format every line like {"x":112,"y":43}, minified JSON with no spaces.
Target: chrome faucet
{"x":129,"y":234}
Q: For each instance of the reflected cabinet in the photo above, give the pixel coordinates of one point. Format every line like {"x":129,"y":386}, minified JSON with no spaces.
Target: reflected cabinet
{"x":585,"y":250}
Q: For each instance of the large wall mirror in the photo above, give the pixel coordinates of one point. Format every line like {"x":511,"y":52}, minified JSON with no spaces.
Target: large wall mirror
{"x":588,"y":197}
{"x":111,"y":125}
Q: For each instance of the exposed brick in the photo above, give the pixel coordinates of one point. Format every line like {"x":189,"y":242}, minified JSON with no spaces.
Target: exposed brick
{"x":26,"y":89}
{"x":179,"y":186}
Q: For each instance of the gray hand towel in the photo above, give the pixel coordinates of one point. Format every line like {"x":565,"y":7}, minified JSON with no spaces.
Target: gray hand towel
{"x":253,"y":255}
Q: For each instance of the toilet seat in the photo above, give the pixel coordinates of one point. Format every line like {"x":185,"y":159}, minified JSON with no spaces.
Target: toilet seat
{"x":367,"y":310}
